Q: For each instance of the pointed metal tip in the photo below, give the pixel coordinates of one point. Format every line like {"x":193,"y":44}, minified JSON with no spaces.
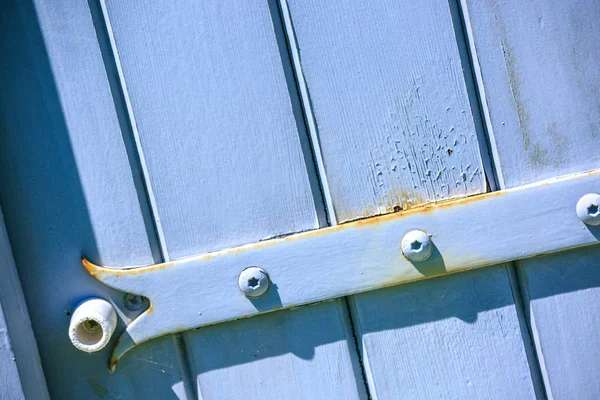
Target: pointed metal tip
{"x":123,"y":345}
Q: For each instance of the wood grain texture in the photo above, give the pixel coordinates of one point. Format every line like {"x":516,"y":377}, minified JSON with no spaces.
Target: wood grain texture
{"x":216,"y":122}
{"x":390,"y":103}
{"x":538,"y":66}
{"x":218,"y":118}
{"x":396,"y":130}
{"x":304,"y":353}
{"x":67,"y":191}
{"x":456,"y":337}
{"x":21,"y":374}
{"x":563,"y":293}
{"x":539,"y":70}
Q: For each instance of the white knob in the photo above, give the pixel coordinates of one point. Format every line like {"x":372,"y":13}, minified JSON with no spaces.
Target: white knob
{"x":92,"y":324}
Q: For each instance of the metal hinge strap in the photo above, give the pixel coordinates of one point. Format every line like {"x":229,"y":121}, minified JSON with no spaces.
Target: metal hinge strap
{"x":355,"y":257}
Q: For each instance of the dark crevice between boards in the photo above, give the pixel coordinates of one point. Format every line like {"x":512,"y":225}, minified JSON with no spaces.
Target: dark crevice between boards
{"x":478,"y":104}
{"x":348,"y":303}
{"x":324,"y":206}
{"x":300,"y":117}
{"x":112,"y":73}
{"x":522,"y":302}
{"x":140,"y":178}
{"x":474,"y":94}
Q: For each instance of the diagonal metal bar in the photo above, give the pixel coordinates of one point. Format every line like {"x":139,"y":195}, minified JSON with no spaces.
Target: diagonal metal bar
{"x":355,"y":257}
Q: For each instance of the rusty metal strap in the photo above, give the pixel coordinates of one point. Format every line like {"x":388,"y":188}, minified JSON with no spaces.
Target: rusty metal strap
{"x":356,"y":257}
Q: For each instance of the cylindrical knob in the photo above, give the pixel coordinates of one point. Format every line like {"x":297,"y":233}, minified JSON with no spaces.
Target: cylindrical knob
{"x":92,"y":324}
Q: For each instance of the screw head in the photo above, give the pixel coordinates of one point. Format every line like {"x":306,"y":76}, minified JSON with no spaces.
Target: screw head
{"x":416,"y":245}
{"x":588,"y":209}
{"x":253,"y":282}
{"x":133,"y":302}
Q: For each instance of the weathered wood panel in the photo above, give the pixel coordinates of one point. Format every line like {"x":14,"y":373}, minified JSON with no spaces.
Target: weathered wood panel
{"x":395,"y":128}
{"x":539,"y":72}
{"x":456,"y":337}
{"x":220,"y":127}
{"x":304,"y":353}
{"x":562,"y":293}
{"x":21,"y":374}
{"x":68,"y":190}
{"x":389,"y":99}
{"x":538,"y":67}
{"x":215,"y":118}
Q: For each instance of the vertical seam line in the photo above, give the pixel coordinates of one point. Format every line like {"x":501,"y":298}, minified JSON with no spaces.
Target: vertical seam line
{"x":497,"y":178}
{"x":307,"y":108}
{"x":136,"y":137}
{"x":311,"y":126}
{"x":147,"y":194}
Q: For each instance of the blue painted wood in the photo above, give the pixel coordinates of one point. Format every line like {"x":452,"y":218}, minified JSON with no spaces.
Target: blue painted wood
{"x":456,"y":337}
{"x":305,"y":353}
{"x":214,"y":105}
{"x":537,"y":69}
{"x":562,"y":293}
{"x":216,"y":122}
{"x":388,"y":96}
{"x":395,"y":127}
{"x":10,"y":383}
{"x":21,"y":374}
{"x":68,"y":190}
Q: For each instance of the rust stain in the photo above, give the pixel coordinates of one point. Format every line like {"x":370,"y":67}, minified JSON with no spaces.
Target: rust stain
{"x":99,"y":272}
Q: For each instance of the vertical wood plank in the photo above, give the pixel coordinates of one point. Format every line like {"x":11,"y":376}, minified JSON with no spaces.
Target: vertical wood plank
{"x":220,"y":126}
{"x":562,"y":293}
{"x":537,"y":63}
{"x":18,"y":349}
{"x":15,"y":330}
{"x":456,"y":337}
{"x":538,"y":69}
{"x":68,"y":191}
{"x":216,"y":122}
{"x":304,"y":353}
{"x":390,"y":104}
{"x":395,"y":127}
{"x":10,"y":382}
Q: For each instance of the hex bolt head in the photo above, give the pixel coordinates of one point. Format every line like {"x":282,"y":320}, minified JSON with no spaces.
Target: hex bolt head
{"x":588,"y":209}
{"x":416,"y":245}
{"x":133,"y":302}
{"x":253,"y":282}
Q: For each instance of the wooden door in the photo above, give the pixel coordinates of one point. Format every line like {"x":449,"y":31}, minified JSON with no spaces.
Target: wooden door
{"x":135,"y":133}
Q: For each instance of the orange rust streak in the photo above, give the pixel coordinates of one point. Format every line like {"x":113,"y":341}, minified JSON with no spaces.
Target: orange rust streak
{"x":98,"y":271}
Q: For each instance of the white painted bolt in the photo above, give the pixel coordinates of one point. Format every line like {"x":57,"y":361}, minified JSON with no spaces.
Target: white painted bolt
{"x":253,"y":282}
{"x":92,"y":324}
{"x":416,"y":246}
{"x":588,"y":209}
